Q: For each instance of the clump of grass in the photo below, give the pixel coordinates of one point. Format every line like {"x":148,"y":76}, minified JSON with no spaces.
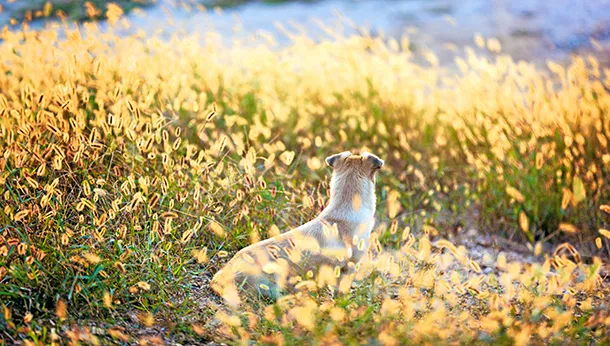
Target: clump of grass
{"x":134,"y":167}
{"x":75,"y":10}
{"x":433,"y":294}
{"x":544,"y":163}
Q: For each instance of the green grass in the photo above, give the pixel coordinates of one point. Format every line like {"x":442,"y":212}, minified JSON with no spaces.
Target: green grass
{"x":74,"y":10}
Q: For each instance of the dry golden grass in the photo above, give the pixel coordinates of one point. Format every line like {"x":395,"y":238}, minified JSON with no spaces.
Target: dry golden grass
{"x":132,"y":167}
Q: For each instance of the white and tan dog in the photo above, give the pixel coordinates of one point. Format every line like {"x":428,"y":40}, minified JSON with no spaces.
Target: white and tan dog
{"x":336,"y":239}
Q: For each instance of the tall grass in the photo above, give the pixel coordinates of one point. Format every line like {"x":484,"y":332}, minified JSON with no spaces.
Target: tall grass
{"x":73,"y":10}
{"x":132,"y":167}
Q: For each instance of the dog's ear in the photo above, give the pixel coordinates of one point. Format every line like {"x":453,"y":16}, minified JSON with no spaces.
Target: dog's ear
{"x":375,"y":161}
{"x":333,"y":159}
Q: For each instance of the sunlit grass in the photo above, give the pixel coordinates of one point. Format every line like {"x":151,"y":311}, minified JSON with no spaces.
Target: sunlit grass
{"x":133,"y":167}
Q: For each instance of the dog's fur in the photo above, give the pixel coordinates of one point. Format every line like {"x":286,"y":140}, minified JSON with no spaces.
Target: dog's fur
{"x":338,"y":237}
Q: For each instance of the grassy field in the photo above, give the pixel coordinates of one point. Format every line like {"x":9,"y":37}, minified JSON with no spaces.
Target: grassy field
{"x":134,"y":167}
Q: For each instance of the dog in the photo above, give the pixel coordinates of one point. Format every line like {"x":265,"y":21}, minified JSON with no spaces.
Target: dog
{"x":335,"y":241}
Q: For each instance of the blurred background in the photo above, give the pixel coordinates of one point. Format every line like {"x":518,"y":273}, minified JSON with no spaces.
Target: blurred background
{"x":533,"y":30}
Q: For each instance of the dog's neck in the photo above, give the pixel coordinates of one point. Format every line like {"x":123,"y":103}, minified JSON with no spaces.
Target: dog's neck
{"x":352,"y":199}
